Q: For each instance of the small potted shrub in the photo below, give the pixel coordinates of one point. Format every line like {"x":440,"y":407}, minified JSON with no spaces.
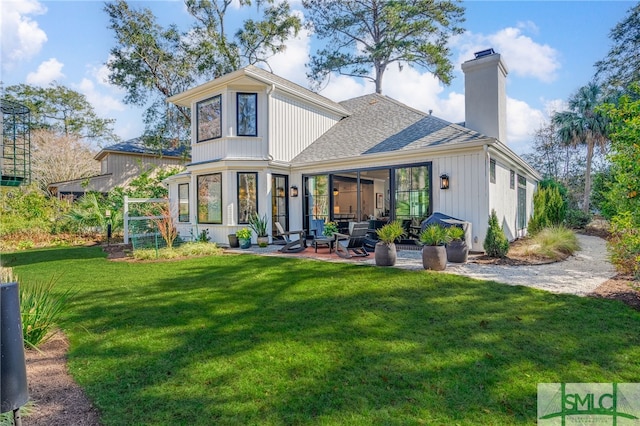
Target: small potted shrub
{"x":244,"y":237}
{"x":496,"y":243}
{"x":330,"y":228}
{"x":386,"y":253}
{"x":259,"y":226}
{"x":434,"y":253}
{"x":457,"y":249}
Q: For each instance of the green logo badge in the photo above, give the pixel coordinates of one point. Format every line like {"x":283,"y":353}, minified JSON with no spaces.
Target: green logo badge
{"x":615,"y":404}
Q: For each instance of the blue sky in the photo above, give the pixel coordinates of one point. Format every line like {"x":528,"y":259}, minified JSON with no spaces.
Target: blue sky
{"x":549,"y":47}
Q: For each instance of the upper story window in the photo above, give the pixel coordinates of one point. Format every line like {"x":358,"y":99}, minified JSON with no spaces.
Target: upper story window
{"x":247,"y":114}
{"x":103,"y":166}
{"x":209,"y":119}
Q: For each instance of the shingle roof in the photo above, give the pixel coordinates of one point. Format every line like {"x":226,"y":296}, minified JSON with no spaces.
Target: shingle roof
{"x":137,"y":146}
{"x":379,"y":124}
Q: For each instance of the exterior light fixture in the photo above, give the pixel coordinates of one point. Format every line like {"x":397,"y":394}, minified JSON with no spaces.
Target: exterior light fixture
{"x":293,"y":191}
{"x":335,"y":191}
{"x":444,"y":181}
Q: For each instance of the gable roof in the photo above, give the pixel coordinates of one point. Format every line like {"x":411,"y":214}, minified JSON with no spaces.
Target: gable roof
{"x":257,"y":74}
{"x":378,"y":124}
{"x":137,"y":146}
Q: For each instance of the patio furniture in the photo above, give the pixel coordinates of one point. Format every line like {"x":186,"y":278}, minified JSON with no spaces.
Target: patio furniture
{"x":292,"y":245}
{"x":323,"y":242}
{"x":353,"y":242}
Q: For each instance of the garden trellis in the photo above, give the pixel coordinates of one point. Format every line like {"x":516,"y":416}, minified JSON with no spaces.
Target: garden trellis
{"x":141,"y":228}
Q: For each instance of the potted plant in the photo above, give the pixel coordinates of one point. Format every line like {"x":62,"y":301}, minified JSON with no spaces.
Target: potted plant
{"x":244,"y":237}
{"x":434,"y":253}
{"x":259,"y":226}
{"x":385,"y":252}
{"x":330,"y":228}
{"x":457,"y":249}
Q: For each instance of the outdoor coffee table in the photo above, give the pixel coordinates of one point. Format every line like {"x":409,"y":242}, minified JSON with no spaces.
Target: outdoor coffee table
{"x":324,"y":241}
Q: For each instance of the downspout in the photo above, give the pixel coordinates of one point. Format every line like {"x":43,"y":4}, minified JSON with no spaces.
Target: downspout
{"x":487,"y":184}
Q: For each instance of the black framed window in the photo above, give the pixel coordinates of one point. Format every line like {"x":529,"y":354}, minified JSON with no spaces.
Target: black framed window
{"x":183,"y":202}
{"x":492,"y":171}
{"x":247,"y":196}
{"x":210,"y":198}
{"x":209,"y":119}
{"x":413,"y":192}
{"x":247,"y":114}
{"x":522,"y":202}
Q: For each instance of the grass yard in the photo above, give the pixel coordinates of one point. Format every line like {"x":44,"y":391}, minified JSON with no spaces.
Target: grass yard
{"x":272,"y":341}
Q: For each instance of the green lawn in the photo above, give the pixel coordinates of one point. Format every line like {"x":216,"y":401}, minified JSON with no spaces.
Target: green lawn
{"x":265,"y":340}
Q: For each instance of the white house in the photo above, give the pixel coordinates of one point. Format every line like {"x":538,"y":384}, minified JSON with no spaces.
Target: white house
{"x":262,"y":143}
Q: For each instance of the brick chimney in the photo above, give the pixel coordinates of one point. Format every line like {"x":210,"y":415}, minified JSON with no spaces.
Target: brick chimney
{"x":485,"y":94}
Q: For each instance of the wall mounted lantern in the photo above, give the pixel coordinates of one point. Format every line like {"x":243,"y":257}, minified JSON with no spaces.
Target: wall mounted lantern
{"x":293,"y":191}
{"x":444,"y":181}
{"x":335,"y":192}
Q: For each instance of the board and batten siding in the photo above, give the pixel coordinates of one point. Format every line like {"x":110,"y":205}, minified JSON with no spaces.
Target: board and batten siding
{"x":294,"y":125}
{"x":466,"y":198}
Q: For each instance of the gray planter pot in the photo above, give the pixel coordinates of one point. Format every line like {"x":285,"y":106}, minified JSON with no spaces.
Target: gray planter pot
{"x":233,"y":241}
{"x":434,"y":258}
{"x":457,"y":252}
{"x":386,"y":254}
{"x":263,"y":241}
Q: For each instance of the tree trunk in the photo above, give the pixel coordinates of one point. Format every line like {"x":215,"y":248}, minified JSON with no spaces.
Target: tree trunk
{"x":587,"y":177}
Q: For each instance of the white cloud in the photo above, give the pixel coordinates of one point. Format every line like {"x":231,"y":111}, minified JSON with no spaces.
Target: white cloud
{"x":523,"y":56}
{"x":47,"y":72}
{"x":104,"y":104}
{"x":290,"y":63}
{"x":522,"y":123}
{"x":21,"y":37}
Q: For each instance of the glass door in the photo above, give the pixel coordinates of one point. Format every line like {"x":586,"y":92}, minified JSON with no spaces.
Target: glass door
{"x":279,"y":203}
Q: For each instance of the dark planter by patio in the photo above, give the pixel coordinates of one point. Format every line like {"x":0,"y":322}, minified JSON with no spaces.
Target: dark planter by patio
{"x":434,"y":258}
{"x":233,"y":241}
{"x":245,"y":243}
{"x":385,"y":254}
{"x":457,"y":251}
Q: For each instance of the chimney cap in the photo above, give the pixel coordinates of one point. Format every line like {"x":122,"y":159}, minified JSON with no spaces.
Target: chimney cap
{"x":483,"y":53}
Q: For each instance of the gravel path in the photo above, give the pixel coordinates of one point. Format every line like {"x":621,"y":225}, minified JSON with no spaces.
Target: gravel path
{"x":580,"y":274}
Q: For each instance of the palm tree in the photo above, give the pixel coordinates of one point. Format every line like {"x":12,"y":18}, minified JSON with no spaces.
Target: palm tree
{"x":582,"y":124}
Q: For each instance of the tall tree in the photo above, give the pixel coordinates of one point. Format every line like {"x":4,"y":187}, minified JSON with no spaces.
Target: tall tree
{"x":621,"y":66}
{"x":366,"y":35}
{"x":63,"y":112}
{"x":583,"y":124}
{"x":152,"y":63}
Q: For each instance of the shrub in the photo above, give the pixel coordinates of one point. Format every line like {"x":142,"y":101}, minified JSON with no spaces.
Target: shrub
{"x":184,"y":250}
{"x":259,"y":224}
{"x":244,"y":233}
{"x":330,"y":228}
{"x":549,"y":209}
{"x":390,"y":232}
{"x":495,"y":243}
{"x":577,"y":219}
{"x":435,"y":235}
{"x":40,"y":310}
{"x":555,"y":242}
{"x":624,"y":244}
{"x":456,"y":233}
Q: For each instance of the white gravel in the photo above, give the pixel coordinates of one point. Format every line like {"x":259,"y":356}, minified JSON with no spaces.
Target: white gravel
{"x":580,"y":274}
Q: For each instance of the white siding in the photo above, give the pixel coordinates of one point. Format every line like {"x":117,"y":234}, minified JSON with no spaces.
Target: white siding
{"x":466,"y":198}
{"x":294,"y":125}
{"x":230,"y":148}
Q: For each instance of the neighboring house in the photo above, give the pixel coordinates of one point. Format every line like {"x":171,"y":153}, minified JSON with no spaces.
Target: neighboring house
{"x":262,"y":143}
{"x":119,"y":164}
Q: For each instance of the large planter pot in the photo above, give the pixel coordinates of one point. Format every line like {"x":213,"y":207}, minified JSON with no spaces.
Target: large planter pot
{"x":386,"y":254}
{"x":434,"y":258}
{"x":245,"y":243}
{"x":263,"y":241}
{"x":457,"y":251}
{"x":233,"y":241}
